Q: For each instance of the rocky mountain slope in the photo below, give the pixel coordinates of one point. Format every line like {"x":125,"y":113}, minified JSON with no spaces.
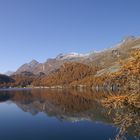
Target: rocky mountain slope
{"x":112,"y":68}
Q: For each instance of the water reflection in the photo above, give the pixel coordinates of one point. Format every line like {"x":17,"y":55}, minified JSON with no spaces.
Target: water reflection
{"x":73,"y":106}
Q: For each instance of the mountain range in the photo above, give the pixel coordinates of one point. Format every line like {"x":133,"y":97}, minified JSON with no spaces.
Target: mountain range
{"x":51,"y":64}
{"x":119,"y":65}
{"x":103,"y":59}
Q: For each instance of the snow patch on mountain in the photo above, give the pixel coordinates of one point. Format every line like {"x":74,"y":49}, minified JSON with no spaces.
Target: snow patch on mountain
{"x":71,"y":55}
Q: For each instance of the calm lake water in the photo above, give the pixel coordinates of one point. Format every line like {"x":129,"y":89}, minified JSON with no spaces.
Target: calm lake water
{"x":62,"y":115}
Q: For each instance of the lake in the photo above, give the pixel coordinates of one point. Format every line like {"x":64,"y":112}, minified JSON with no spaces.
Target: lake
{"x":41,"y":114}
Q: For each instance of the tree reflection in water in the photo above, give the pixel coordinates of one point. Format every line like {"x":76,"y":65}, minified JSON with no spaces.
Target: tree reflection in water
{"x":71,"y":105}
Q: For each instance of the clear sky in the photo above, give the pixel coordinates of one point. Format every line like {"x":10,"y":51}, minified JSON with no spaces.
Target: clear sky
{"x":40,"y":29}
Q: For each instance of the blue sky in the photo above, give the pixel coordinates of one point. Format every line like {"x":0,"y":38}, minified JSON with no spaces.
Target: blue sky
{"x":40,"y":29}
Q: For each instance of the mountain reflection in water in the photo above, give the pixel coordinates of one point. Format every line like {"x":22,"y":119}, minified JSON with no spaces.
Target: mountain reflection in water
{"x":75,"y":106}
